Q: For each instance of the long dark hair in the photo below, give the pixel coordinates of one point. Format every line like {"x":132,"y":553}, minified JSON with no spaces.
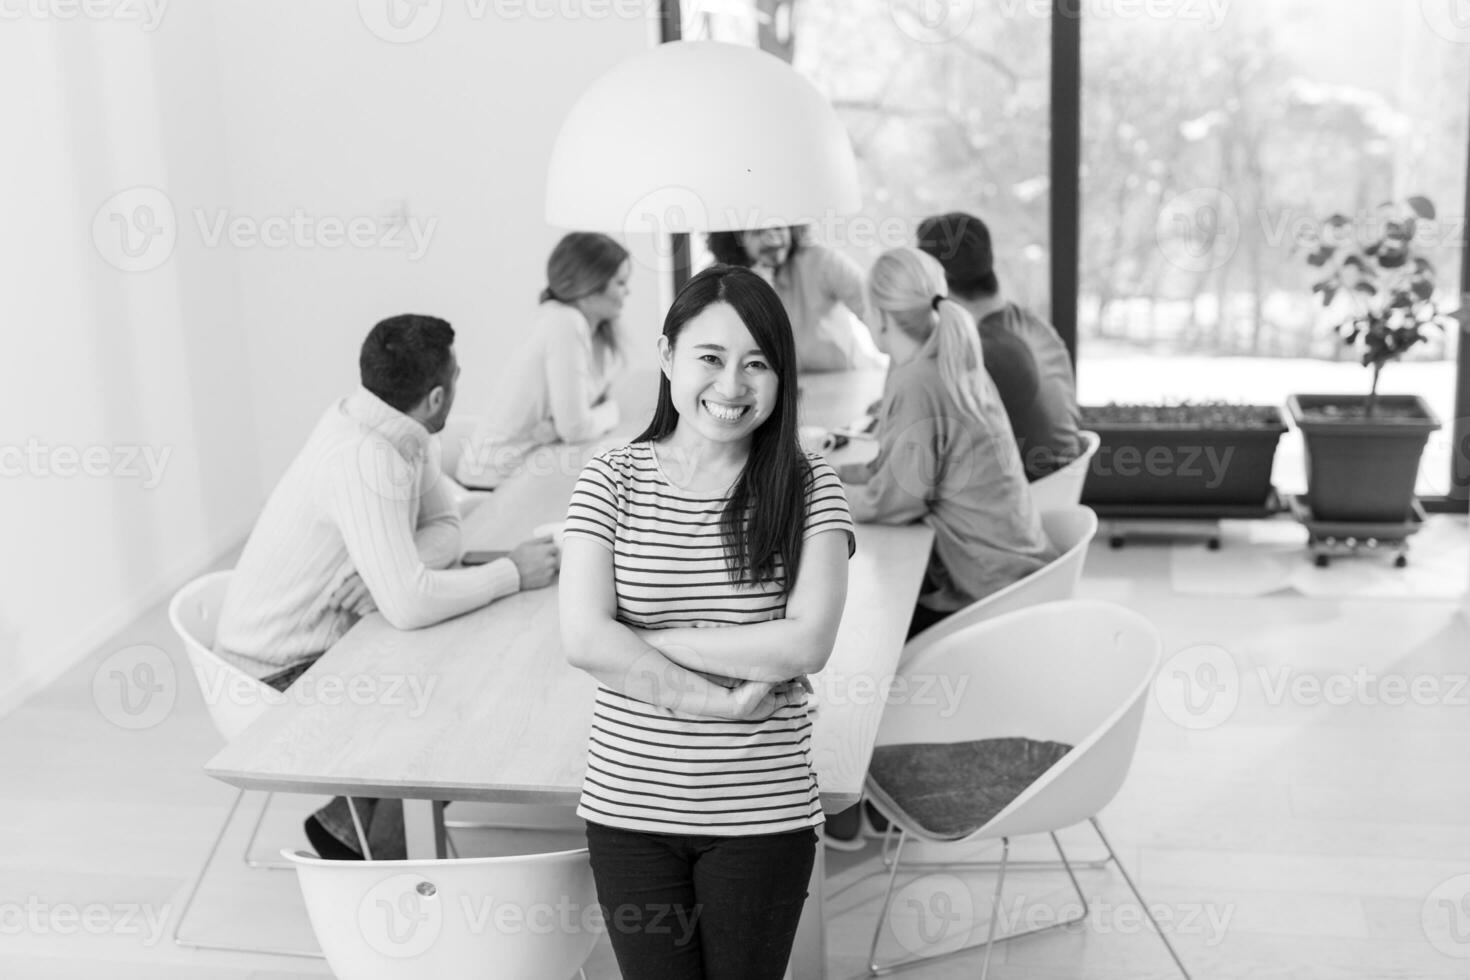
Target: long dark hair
{"x":581,"y":264}
{"x":765,"y":517}
{"x":729,"y":248}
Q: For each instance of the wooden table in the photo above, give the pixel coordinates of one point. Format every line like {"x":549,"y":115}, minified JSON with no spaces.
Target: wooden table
{"x":485,"y":707}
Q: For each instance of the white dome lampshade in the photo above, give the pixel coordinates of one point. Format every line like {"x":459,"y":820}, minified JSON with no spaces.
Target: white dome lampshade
{"x":700,"y":136}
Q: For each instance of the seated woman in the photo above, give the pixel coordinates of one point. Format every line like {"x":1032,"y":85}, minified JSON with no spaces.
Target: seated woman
{"x":555,"y":387}
{"x":946,"y":453}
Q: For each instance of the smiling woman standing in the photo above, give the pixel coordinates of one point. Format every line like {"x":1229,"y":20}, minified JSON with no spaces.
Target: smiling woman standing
{"x":704,"y":573}
{"x":555,"y":387}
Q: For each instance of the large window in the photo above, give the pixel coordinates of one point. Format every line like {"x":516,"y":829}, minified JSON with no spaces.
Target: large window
{"x":1214,"y":137}
{"x":947,"y":106}
{"x":1212,"y":146}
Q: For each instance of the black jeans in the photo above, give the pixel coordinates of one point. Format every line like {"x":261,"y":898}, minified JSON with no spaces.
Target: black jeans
{"x":699,"y":907}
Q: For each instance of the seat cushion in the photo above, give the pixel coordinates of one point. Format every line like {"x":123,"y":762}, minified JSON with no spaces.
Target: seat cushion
{"x":952,"y":789}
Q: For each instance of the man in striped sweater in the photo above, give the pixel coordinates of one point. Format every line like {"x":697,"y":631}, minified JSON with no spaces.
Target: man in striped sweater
{"x":363,"y":520}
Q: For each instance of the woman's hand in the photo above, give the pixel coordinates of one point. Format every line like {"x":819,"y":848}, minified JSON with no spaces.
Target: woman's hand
{"x":759,"y":700}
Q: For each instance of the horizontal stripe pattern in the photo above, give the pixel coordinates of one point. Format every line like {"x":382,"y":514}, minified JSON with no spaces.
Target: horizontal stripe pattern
{"x":649,"y":768}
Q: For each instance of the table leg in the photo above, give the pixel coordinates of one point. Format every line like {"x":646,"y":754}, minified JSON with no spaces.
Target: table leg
{"x":809,"y":953}
{"x":423,"y":829}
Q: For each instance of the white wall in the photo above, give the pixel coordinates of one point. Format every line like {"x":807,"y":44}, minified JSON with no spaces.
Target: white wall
{"x":326,"y":116}
{"x":222,"y":355}
{"x":102,"y":361}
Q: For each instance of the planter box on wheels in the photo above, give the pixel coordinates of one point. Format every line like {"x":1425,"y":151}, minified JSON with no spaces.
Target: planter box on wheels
{"x":1362,"y":468}
{"x":1195,"y":461}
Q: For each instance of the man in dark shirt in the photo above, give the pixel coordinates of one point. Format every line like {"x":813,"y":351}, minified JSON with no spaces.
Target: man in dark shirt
{"x":1023,"y":353}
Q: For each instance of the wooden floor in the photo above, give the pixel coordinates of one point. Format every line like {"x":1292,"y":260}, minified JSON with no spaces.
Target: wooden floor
{"x":1286,"y":829}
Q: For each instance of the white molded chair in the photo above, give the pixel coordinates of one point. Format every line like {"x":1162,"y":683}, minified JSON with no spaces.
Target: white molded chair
{"x":1070,"y":531}
{"x":1063,"y":488}
{"x":1076,"y":672}
{"x":234,"y":700}
{"x":524,"y":916}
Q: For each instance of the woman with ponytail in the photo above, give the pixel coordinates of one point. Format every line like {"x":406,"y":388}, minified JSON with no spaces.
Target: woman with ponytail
{"x":946,"y":453}
{"x":556,"y":386}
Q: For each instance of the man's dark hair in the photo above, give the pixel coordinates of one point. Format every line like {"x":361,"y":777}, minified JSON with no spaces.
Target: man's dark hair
{"x":961,"y":243}
{"x":405,"y":356}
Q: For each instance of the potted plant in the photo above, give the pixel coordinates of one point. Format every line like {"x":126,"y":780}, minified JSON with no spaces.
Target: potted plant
{"x":1207,"y":459}
{"x":1378,"y":294}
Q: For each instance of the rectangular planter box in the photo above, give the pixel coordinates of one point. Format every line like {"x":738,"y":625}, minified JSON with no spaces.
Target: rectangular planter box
{"x":1155,"y":466}
{"x":1362,"y":469}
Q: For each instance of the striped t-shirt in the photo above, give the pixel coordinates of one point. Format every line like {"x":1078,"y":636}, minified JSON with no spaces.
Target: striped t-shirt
{"x":649,"y":768}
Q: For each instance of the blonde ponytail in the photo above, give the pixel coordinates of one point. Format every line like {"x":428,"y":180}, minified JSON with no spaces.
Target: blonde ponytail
{"x":909,"y":284}
{"x":957,"y":347}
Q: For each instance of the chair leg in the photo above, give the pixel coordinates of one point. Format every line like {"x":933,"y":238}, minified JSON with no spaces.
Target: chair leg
{"x":874,"y":969}
{"x":362,"y":843}
{"x":179,"y":940}
{"x":877,"y":969}
{"x":250,"y":842}
{"x":1000,"y":880}
{"x":1092,"y":864}
{"x":1144,"y":905}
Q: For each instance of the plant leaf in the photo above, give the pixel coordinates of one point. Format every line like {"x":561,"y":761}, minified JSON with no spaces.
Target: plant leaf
{"x":1422,"y":206}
